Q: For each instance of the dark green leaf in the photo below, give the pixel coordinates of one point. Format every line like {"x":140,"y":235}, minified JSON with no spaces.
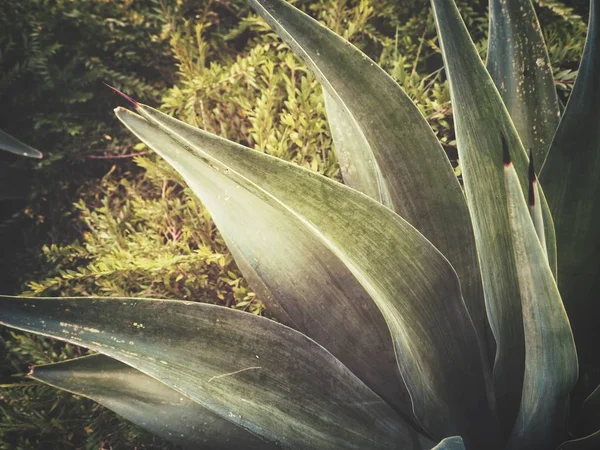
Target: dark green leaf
{"x":519,"y":65}
{"x":591,"y":442}
{"x":146,"y":402}
{"x":256,"y":373}
{"x":571,"y":179}
{"x":385,"y":146}
{"x":551,"y":368}
{"x":483,"y":128}
{"x":413,"y":285}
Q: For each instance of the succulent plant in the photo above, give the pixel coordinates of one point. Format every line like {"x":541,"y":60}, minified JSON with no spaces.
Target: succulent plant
{"x":412,"y":313}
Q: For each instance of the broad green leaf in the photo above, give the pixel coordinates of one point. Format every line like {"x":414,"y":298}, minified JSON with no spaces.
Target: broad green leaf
{"x":412,"y":284}
{"x":571,"y":180}
{"x":348,"y":323}
{"x":550,"y":354}
{"x":258,"y":374}
{"x":591,"y":442}
{"x":519,"y":65}
{"x":451,"y":443}
{"x":535,"y":205}
{"x":385,"y":146}
{"x":146,"y":402}
{"x":13,"y":145}
{"x":482,"y":123}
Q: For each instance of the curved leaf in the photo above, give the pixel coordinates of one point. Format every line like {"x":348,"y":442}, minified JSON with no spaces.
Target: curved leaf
{"x":13,"y":145}
{"x":146,"y":402}
{"x":591,"y":442}
{"x":535,"y":205}
{"x":551,"y":368}
{"x":571,"y":179}
{"x":385,"y":146}
{"x":348,"y":323}
{"x":258,"y":374}
{"x":519,"y":65}
{"x":587,"y":419}
{"x":412,"y":284}
{"x":482,"y":124}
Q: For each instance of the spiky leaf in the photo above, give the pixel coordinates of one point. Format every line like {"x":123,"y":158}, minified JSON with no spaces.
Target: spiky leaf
{"x":482,"y":124}
{"x":551,"y":368}
{"x":146,"y":402}
{"x":385,"y":146}
{"x":13,"y":145}
{"x":519,"y":65}
{"x":571,"y":179}
{"x":256,"y":373}
{"x":413,"y":285}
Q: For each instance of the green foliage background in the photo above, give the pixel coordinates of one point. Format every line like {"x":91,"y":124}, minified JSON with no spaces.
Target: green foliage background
{"x":105,"y":216}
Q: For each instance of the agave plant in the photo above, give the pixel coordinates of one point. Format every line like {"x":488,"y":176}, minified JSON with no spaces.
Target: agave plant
{"x":412,"y":313}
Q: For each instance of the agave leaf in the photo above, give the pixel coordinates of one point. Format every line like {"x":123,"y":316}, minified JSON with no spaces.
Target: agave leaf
{"x":550,"y":354}
{"x":348,"y":324}
{"x":535,"y":205}
{"x":384,"y":144}
{"x":587,"y":419}
{"x":13,"y":145}
{"x":450,"y":443}
{"x":519,"y":65}
{"x":358,"y":165}
{"x":411,"y":283}
{"x":258,"y":374}
{"x":146,"y":402}
{"x":571,"y":180}
{"x":482,"y":121}
{"x":591,"y":442}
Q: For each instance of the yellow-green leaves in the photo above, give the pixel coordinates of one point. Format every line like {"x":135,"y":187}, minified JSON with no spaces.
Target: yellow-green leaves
{"x":519,"y":65}
{"x":253,"y":372}
{"x":13,"y":145}
{"x":146,"y":402}
{"x":412,"y":284}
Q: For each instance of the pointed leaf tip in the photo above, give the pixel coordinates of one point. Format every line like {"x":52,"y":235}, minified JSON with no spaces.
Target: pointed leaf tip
{"x":122,"y":94}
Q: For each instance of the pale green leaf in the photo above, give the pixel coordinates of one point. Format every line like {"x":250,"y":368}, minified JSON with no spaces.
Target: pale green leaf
{"x":412,"y":284}
{"x":450,"y":443}
{"x":535,"y":205}
{"x":519,"y":65}
{"x":13,"y":145}
{"x":146,"y":402}
{"x":385,"y":146}
{"x":551,"y":368}
{"x":482,"y":122}
{"x":258,"y":374}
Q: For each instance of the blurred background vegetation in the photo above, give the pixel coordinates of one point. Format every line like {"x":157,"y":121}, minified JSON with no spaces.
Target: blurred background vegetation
{"x":104,"y":216}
